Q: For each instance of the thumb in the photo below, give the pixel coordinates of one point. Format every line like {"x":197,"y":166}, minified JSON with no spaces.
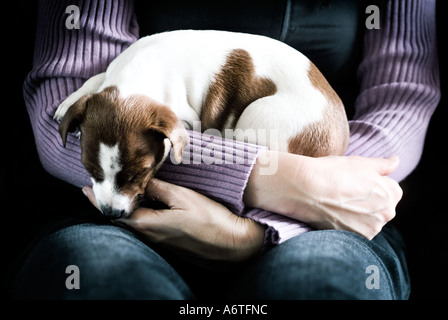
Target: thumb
{"x":161,"y":191}
{"x":385,"y":166}
{"x":88,"y":192}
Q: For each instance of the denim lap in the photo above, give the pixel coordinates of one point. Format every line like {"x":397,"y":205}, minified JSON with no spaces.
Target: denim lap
{"x":330,"y":264}
{"x":112,"y":263}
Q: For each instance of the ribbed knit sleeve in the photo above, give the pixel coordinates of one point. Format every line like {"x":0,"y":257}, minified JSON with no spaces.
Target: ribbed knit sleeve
{"x":65,"y":58}
{"x":399,"y":85}
{"x":216,"y":167}
{"x":399,"y":92}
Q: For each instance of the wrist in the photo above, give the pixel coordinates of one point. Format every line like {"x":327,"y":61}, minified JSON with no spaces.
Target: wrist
{"x":257,"y":185}
{"x":249,"y":241}
{"x":276,"y":189}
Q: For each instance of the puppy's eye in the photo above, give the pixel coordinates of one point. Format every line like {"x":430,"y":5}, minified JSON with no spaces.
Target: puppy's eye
{"x":95,"y":173}
{"x":134,"y":178}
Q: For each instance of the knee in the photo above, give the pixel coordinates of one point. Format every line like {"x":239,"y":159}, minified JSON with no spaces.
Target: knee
{"x":110,"y":263}
{"x":321,"y":265}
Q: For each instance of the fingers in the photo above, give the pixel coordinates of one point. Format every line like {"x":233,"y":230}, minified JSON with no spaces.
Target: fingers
{"x":394,"y":195}
{"x":391,"y":165}
{"x":143,"y":219}
{"x":167,"y":193}
{"x":162,"y":191}
{"x":397,"y":192}
{"x":88,"y":192}
{"x":384,"y":166}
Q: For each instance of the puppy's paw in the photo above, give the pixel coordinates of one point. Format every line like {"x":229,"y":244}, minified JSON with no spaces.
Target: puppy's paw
{"x":65,"y":105}
{"x":61,"y":110}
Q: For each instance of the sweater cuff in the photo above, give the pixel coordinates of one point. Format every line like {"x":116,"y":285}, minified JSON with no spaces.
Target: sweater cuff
{"x":279,"y":228}
{"x":215,"y":167}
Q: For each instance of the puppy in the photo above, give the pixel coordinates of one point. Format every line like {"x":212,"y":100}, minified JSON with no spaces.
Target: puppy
{"x":132,"y":115}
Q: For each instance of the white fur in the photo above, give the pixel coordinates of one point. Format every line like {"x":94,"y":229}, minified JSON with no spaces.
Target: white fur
{"x":106,"y":191}
{"x":90,"y":86}
{"x":176,"y":68}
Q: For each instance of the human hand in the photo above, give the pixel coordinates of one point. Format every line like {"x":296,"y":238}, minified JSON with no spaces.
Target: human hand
{"x":348,"y":193}
{"x":193,"y":224}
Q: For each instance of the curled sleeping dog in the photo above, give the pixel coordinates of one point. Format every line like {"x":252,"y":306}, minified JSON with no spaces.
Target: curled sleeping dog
{"x":132,"y":115}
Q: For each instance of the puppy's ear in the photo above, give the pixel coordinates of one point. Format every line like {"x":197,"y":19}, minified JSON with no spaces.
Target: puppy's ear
{"x":165,"y":121}
{"x":72,"y":118}
{"x":179,"y":139}
{"x":174,"y":130}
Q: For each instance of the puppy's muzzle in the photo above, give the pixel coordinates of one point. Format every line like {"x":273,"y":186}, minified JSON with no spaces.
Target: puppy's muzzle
{"x":112,"y":213}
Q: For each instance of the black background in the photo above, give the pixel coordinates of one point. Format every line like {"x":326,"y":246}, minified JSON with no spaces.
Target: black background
{"x":29,"y":193}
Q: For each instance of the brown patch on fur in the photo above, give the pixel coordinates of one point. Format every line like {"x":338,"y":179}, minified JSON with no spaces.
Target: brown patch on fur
{"x":235,"y":87}
{"x":140,"y":161}
{"x":145,"y":112}
{"x":137,"y":124}
{"x":329,"y":136}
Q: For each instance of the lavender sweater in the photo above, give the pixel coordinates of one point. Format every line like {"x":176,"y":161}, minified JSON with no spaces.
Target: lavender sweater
{"x":399,"y":92}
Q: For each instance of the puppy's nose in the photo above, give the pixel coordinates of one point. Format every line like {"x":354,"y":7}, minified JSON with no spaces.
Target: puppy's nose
{"x":112,"y":213}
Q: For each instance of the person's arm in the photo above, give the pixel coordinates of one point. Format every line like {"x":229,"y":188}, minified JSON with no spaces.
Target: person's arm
{"x":342,"y":192}
{"x":399,"y":85}
{"x":399,"y":93}
{"x":193,"y":225}
{"x":64,"y":59}
{"x":51,"y":81}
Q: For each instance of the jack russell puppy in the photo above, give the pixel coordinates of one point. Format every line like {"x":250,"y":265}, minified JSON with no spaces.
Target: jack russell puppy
{"x":132,"y":115}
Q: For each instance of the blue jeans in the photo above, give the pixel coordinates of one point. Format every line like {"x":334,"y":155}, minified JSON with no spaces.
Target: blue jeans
{"x":114,"y":263}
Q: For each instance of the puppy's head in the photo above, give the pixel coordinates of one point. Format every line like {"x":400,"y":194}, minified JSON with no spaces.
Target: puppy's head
{"x":124,"y":141}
